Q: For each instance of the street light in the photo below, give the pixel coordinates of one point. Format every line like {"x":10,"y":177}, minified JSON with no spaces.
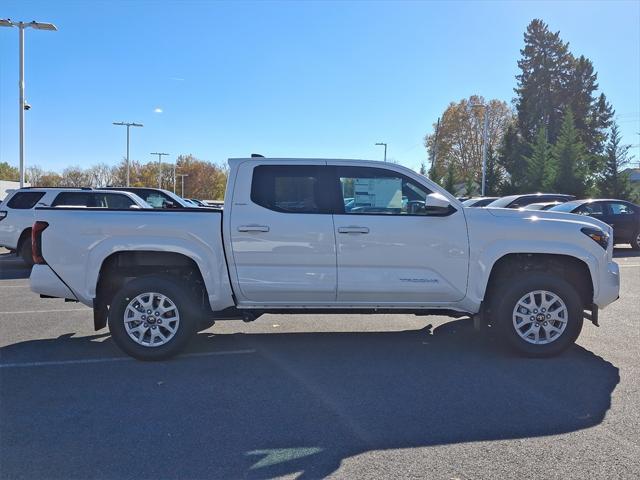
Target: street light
{"x":159,"y":166}
{"x":182,"y":175}
{"x":485,"y":142}
{"x":385,"y":149}
{"x":128,"y":125}
{"x":22,"y":104}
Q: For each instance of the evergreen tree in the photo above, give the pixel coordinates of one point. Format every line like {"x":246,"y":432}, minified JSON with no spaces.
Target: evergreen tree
{"x":546,"y":69}
{"x":513,"y":159}
{"x":572,"y":160}
{"x":469,"y":186}
{"x":450,"y":180}
{"x":542,"y":167}
{"x":613,"y":183}
{"x":493,"y":174}
{"x":423,"y":168}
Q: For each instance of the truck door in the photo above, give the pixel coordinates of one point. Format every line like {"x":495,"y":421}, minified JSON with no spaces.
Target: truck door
{"x":391,"y":249}
{"x":281,"y":232}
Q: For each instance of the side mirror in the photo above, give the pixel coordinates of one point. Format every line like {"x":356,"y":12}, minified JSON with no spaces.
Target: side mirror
{"x":437,"y":204}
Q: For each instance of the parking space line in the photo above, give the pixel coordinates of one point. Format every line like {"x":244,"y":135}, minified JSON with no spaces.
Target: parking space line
{"x":117,"y":359}
{"x":623,"y":265}
{"x":48,"y":311}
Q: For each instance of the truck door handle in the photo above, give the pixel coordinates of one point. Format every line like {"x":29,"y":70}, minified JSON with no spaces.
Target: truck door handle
{"x":253,"y":228}
{"x":353,"y":229}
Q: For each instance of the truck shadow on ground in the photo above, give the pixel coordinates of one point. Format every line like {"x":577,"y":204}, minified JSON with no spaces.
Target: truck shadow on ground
{"x":621,"y":252}
{"x":12,"y":267}
{"x":284,"y":403}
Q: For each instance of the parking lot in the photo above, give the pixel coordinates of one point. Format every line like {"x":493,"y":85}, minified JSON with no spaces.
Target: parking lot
{"x":315,"y":396}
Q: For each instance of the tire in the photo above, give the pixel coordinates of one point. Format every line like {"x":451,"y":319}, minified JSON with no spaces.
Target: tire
{"x":175,"y":323}
{"x":25,"y":251}
{"x":635,"y":241}
{"x":558,"y":325}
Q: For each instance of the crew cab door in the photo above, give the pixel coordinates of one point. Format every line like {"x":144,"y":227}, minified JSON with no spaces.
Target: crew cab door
{"x":393,"y":250}
{"x":282,"y":236}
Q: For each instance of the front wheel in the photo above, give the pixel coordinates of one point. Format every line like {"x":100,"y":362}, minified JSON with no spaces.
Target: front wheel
{"x":635,"y":241}
{"x":153,"y":317}
{"x":25,"y":251}
{"x":539,"y":314}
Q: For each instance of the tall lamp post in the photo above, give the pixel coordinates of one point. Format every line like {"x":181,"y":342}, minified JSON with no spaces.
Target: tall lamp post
{"x":385,"y":149}
{"x":128,"y":125}
{"x":159,"y":166}
{"x":485,"y":143}
{"x":22,"y":104}
{"x":182,"y":175}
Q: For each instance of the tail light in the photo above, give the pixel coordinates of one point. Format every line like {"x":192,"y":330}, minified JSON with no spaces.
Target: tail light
{"x":36,"y":242}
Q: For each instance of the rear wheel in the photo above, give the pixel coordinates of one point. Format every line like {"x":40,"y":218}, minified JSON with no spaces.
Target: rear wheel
{"x":25,"y":251}
{"x":539,"y":314}
{"x":153,"y":317}
{"x":635,"y":241}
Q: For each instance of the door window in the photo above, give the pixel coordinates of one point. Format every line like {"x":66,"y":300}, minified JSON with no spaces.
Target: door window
{"x":595,"y":208}
{"x":291,"y":188}
{"x":620,"y":209}
{"x":376,"y":191}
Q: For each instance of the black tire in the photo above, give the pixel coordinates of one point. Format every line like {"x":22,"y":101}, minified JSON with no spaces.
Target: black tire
{"x":25,"y":251}
{"x":184,"y":301}
{"x":635,"y":241}
{"x":507,"y":295}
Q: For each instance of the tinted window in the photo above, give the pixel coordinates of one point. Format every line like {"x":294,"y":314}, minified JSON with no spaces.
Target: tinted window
{"x":291,"y":188}
{"x":621,"y":209}
{"x":92,"y":200}
{"x":367,"y":190}
{"x":595,"y":208}
{"x":24,"y":200}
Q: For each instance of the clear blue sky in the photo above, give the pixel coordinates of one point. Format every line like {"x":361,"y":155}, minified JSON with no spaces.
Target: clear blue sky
{"x":323,"y":79}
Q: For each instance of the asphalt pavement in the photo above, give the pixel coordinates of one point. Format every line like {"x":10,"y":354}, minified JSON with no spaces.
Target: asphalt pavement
{"x":310,"y":396}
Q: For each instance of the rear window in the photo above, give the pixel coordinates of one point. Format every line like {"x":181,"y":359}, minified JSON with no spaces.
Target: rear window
{"x":290,"y":189}
{"x":24,"y":200}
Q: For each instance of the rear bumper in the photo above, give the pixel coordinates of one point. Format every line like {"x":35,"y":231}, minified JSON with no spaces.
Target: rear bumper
{"x":45,"y":282}
{"x":609,"y":285}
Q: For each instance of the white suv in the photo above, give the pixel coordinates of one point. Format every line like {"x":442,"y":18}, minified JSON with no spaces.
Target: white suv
{"x":17,"y":210}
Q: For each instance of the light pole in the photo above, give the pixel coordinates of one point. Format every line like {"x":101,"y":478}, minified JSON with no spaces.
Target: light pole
{"x":159,"y":166}
{"x":128,"y":125}
{"x":22,"y":104}
{"x":385,"y":149}
{"x":182,"y":175}
{"x":485,"y":143}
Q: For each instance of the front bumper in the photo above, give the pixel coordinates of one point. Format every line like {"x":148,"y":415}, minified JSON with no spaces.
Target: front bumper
{"x":609,"y":285}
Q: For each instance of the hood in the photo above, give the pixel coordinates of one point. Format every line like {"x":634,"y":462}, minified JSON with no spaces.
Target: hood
{"x":543,"y":215}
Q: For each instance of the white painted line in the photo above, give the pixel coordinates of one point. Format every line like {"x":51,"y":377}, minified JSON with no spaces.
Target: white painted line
{"x":622,"y":265}
{"x":48,"y":311}
{"x":13,"y":286}
{"x":116,"y":359}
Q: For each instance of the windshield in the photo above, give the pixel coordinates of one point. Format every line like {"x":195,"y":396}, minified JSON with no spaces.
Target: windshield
{"x":502,"y":202}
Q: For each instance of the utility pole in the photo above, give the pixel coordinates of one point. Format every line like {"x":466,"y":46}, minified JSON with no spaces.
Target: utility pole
{"x":485,"y":145}
{"x":23,"y":105}
{"x":385,"y":149}
{"x":174,"y":176}
{"x":485,"y":142}
{"x":182,"y":175}
{"x":128,"y":125}
{"x":159,"y":166}
{"x":435,"y":147}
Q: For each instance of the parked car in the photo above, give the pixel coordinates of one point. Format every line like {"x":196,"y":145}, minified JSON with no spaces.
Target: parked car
{"x":199,"y":203}
{"x":478,"y":201}
{"x":16,"y":213}
{"x":518,"y":201}
{"x":285,"y":243}
{"x":541,"y":206}
{"x":157,"y":197}
{"x":623,"y":216}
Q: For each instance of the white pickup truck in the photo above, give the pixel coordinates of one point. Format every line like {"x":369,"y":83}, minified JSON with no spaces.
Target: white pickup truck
{"x":326,"y":236}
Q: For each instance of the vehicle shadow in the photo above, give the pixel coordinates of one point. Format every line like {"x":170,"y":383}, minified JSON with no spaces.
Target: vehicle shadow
{"x":620,"y":252}
{"x":12,"y":267}
{"x":288,"y":403}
